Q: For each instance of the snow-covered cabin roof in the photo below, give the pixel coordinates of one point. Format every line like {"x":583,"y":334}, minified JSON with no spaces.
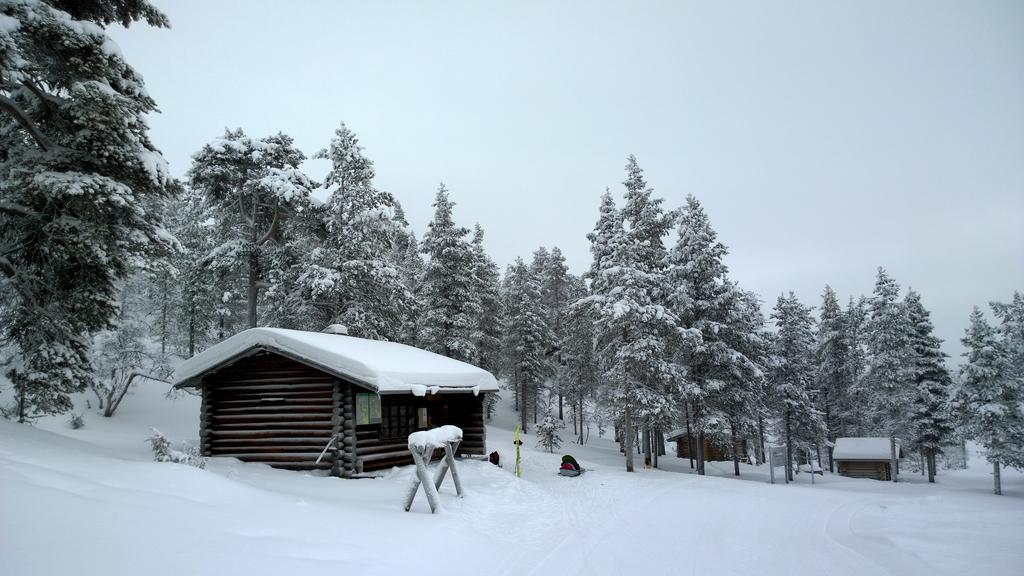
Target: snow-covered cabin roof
{"x":676,"y":435}
{"x":864,"y":449}
{"x":385,"y":367}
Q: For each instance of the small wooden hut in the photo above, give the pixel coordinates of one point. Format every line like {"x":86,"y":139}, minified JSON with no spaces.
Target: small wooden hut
{"x":716,"y":448}
{"x":280,"y":396}
{"x":865,"y":457}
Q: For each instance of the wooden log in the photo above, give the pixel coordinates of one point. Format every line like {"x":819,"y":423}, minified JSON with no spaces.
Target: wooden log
{"x":422,"y":479}
{"x":348,"y":427}
{"x":261,"y":433}
{"x":449,"y":457}
{"x":273,"y":417}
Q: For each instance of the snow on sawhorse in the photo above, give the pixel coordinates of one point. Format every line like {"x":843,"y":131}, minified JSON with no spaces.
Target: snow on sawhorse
{"x":422,"y":445}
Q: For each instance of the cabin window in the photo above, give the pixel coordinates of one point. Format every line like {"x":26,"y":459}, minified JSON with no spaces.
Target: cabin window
{"x":399,"y":421}
{"x":367,"y":409}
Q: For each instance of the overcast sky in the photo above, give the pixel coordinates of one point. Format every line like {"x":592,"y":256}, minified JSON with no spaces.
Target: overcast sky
{"x":825,"y":139}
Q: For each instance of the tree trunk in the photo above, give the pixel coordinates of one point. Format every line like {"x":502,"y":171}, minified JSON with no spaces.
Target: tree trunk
{"x":735,"y":449}
{"x":689,"y":437}
{"x":628,"y":440}
{"x":760,"y":439}
{"x":560,"y":417}
{"x":931,"y":465}
{"x":522,"y":411}
{"x":581,"y":422}
{"x":657,"y":444}
{"x":254,"y":262}
{"x":995,"y":478}
{"x":893,"y":460}
{"x":646,"y":435}
{"x":789,"y":448}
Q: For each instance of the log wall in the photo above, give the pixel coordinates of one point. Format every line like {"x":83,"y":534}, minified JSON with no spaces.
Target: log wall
{"x":872,"y":469}
{"x":267,"y":408}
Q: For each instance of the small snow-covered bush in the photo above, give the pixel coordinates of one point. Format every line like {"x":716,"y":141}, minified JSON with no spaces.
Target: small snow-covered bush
{"x":547,"y":433}
{"x":76,"y":422}
{"x":164,"y":452}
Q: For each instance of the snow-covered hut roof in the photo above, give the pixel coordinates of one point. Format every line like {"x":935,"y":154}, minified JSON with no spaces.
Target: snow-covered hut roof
{"x":676,"y":435}
{"x":864,"y":449}
{"x":385,"y":367}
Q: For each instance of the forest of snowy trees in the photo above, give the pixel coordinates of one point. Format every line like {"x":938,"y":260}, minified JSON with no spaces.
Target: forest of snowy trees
{"x":111,"y":271}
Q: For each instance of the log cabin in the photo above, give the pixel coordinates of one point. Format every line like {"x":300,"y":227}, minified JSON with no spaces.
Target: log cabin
{"x":865,"y":457}
{"x":716,"y":448}
{"x":280,"y":397}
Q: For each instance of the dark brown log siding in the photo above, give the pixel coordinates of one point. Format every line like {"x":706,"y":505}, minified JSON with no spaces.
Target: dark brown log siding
{"x":270,"y":409}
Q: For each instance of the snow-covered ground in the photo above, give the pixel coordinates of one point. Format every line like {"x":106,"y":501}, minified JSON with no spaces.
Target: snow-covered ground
{"x":91,"y":501}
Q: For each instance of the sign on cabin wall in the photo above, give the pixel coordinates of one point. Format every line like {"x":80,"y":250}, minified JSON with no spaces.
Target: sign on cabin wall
{"x":367,"y":408}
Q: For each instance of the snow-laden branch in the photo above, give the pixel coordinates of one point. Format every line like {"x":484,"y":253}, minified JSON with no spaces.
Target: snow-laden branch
{"x":11,"y":107}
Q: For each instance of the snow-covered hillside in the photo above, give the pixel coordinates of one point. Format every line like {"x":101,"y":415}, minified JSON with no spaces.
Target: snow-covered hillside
{"x":91,"y":501}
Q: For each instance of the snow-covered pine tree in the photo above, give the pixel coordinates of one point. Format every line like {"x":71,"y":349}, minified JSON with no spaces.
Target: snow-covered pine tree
{"x":80,"y":189}
{"x":832,"y":355}
{"x":792,"y":378}
{"x":488,"y":330}
{"x":578,"y":373}
{"x":197,"y":302}
{"x":547,"y":432}
{"x":254,"y":186}
{"x":889,"y":395}
{"x":487,"y":333}
{"x":450,"y":305}
{"x":855,"y":318}
{"x":704,"y":300}
{"x":368,"y":293}
{"x":989,"y":399}
{"x":411,"y":267}
{"x":527,"y":338}
{"x":634,"y":328}
{"x":926,"y":372}
{"x":556,"y":284}
{"x":602,"y":239}
{"x":739,"y":397}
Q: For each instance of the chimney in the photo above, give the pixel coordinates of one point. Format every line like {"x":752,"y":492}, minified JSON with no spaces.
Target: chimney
{"x":336,"y":329}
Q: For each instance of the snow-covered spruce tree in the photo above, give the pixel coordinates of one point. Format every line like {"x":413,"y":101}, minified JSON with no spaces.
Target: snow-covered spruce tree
{"x":705,"y":302}
{"x":792,"y":377}
{"x":832,"y":355}
{"x":889,"y":394}
{"x":1011,"y":330}
{"x":548,"y":432}
{"x":526,"y":339}
{"x":488,"y":325}
{"x":288,"y":300}
{"x":488,"y":330}
{"x":739,"y":399}
{"x":855,"y":318}
{"x":367,"y":292}
{"x":578,"y":374}
{"x":412,"y":268}
{"x":197,"y":299}
{"x":450,"y":305}
{"x":556,"y":284}
{"x":254,"y":185}
{"x":633,"y":326}
{"x":989,"y":400}
{"x":926,"y":372}
{"x":80,"y":189}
